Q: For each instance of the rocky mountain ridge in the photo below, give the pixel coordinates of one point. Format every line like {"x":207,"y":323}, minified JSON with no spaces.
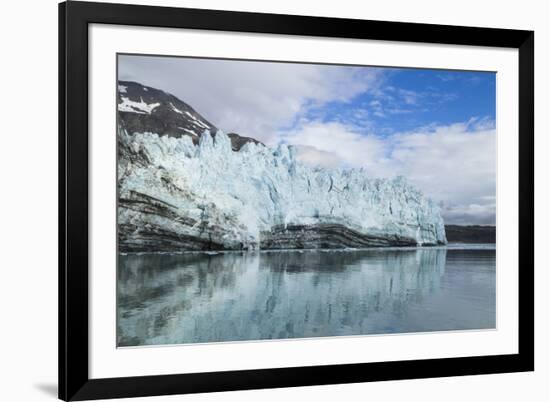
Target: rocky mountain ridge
{"x":143,"y":109}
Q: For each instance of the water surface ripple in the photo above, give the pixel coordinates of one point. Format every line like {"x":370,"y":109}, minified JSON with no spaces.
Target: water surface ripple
{"x":215,"y":297}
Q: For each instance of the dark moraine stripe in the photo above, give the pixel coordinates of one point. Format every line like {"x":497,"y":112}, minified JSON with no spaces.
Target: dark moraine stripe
{"x":332,"y":236}
{"x":155,"y":238}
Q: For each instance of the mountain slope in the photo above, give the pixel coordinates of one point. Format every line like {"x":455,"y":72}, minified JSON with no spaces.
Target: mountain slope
{"x":143,"y":109}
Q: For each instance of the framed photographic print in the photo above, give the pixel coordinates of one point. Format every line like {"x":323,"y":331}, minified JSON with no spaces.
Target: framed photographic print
{"x":257,"y":200}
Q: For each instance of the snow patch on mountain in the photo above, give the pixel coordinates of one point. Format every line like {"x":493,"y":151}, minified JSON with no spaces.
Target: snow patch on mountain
{"x":175,"y":109}
{"x":140,"y":107}
{"x":197,"y":121}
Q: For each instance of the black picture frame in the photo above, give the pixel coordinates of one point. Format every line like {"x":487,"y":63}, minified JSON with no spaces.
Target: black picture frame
{"x":74,"y":18}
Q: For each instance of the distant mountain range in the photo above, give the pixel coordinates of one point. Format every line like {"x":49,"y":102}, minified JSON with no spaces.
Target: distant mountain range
{"x":144,"y":109}
{"x":470,"y":234}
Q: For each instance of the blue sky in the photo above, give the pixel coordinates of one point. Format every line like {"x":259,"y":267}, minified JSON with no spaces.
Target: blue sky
{"x":435,"y":127}
{"x":407,"y":99}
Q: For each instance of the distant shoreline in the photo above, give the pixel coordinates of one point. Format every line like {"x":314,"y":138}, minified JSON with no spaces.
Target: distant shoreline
{"x":470,"y":234}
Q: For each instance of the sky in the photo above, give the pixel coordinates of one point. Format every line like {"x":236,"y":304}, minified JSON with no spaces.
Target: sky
{"x":435,"y":127}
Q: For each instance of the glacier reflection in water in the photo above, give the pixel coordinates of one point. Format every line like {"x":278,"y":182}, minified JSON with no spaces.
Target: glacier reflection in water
{"x":191,"y":298}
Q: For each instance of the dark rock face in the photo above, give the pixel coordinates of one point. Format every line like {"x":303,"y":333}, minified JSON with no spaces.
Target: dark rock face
{"x":470,"y":234}
{"x":331,"y":236}
{"x":170,"y":116}
{"x":238,"y":141}
{"x":158,"y":237}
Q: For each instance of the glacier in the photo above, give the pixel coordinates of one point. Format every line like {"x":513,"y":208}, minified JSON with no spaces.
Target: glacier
{"x":176,"y":196}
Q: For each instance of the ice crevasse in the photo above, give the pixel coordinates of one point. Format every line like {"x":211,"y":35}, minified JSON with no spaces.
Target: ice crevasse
{"x":175,"y":196}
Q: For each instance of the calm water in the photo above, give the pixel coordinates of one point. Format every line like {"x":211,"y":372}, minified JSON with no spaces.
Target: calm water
{"x":186,"y":298}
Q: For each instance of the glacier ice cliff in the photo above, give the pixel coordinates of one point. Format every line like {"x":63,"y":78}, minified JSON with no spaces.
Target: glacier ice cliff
{"x":178,"y":196}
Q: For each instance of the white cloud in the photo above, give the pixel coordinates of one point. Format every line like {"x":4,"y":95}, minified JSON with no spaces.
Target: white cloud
{"x":470,"y":214}
{"x":258,"y":101}
{"x":409,"y":97}
{"x":315,"y":157}
{"x":342,"y":142}
{"x":455,"y":165}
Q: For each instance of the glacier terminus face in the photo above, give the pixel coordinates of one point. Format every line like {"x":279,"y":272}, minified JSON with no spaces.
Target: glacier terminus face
{"x":177,"y":196}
